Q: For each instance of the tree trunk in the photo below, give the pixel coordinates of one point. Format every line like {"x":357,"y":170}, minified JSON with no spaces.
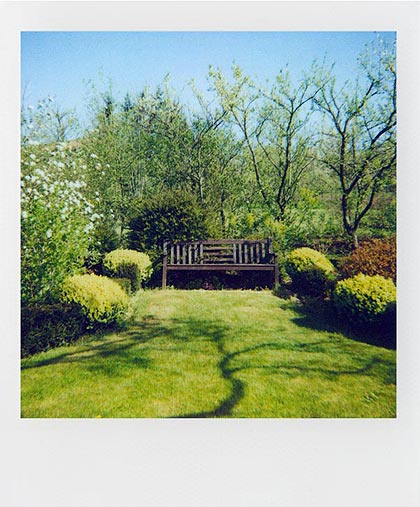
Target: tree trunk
{"x":355,"y":239}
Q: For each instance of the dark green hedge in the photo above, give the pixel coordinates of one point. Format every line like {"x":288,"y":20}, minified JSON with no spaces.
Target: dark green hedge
{"x":45,"y":326}
{"x":176,"y":216}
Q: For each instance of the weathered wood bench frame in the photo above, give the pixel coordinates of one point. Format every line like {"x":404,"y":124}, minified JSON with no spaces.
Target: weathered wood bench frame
{"x":220,"y":255}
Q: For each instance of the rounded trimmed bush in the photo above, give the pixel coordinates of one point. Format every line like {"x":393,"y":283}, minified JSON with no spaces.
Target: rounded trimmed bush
{"x":365,"y":299}
{"x":101,"y":299}
{"x":311,"y":272}
{"x":130,"y":264}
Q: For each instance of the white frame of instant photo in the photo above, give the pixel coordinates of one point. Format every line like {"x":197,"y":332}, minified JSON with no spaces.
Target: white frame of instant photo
{"x":252,"y":462}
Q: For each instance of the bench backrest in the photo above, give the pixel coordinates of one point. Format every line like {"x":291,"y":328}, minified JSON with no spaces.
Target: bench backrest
{"x":219,"y":251}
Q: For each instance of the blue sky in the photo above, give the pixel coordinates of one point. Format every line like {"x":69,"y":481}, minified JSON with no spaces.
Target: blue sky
{"x":60,"y":64}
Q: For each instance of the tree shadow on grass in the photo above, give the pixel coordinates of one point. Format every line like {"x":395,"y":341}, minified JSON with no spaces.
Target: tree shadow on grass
{"x":237,"y":386}
{"x":121,"y":353}
{"x":216,"y":334}
{"x":127,"y":352}
{"x":320,"y":316}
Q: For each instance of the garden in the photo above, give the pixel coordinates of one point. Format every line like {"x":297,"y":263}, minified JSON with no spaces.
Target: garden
{"x":312,"y":166}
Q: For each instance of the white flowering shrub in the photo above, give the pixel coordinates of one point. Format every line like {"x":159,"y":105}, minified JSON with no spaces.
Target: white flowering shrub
{"x":56,"y":220}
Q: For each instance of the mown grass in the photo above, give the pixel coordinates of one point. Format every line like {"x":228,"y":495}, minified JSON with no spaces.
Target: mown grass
{"x":212,"y":354}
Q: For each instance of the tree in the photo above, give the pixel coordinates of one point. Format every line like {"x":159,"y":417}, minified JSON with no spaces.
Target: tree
{"x":47,"y":123}
{"x":212,"y":162}
{"x":116,"y":167}
{"x":360,"y":144}
{"x":189,"y":151}
{"x":272,"y":124}
{"x":127,"y":104}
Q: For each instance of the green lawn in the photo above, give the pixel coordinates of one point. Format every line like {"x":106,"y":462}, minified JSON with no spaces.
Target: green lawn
{"x":212,"y":354}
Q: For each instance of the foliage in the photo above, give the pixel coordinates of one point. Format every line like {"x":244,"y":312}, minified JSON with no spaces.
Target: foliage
{"x":175,"y":216}
{"x":105,"y":235}
{"x":272,"y":124}
{"x":374,"y":257}
{"x":365,"y":299}
{"x":47,"y":123}
{"x":311,"y":271}
{"x":102,"y":300}
{"x":128,"y":264}
{"x":360,"y":145}
{"x":114,"y":170}
{"x":136,"y":149}
{"x":47,"y":326}
{"x":124,"y":283}
{"x":56,"y":220}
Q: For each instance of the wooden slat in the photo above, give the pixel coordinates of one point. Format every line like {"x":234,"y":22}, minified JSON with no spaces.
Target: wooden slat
{"x":220,"y":260}
{"x":217,"y":253}
{"x":222,"y":267}
{"x":219,"y":242}
{"x":190,"y":254}
{"x":217,"y":247}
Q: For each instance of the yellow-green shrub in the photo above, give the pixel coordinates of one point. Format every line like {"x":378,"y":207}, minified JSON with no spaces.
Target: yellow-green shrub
{"x":101,"y":299}
{"x":311,"y":272}
{"x":364,"y":298}
{"x":128,"y":264}
{"x":124,"y":283}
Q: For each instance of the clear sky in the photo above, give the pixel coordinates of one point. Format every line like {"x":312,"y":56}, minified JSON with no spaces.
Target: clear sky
{"x":60,"y":64}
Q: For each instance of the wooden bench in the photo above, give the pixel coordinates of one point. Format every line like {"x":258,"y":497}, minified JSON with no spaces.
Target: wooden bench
{"x":220,"y":255}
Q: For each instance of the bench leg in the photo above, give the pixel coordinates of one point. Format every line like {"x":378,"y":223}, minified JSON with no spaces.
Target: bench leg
{"x":276,"y":272}
{"x":164,"y":272}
